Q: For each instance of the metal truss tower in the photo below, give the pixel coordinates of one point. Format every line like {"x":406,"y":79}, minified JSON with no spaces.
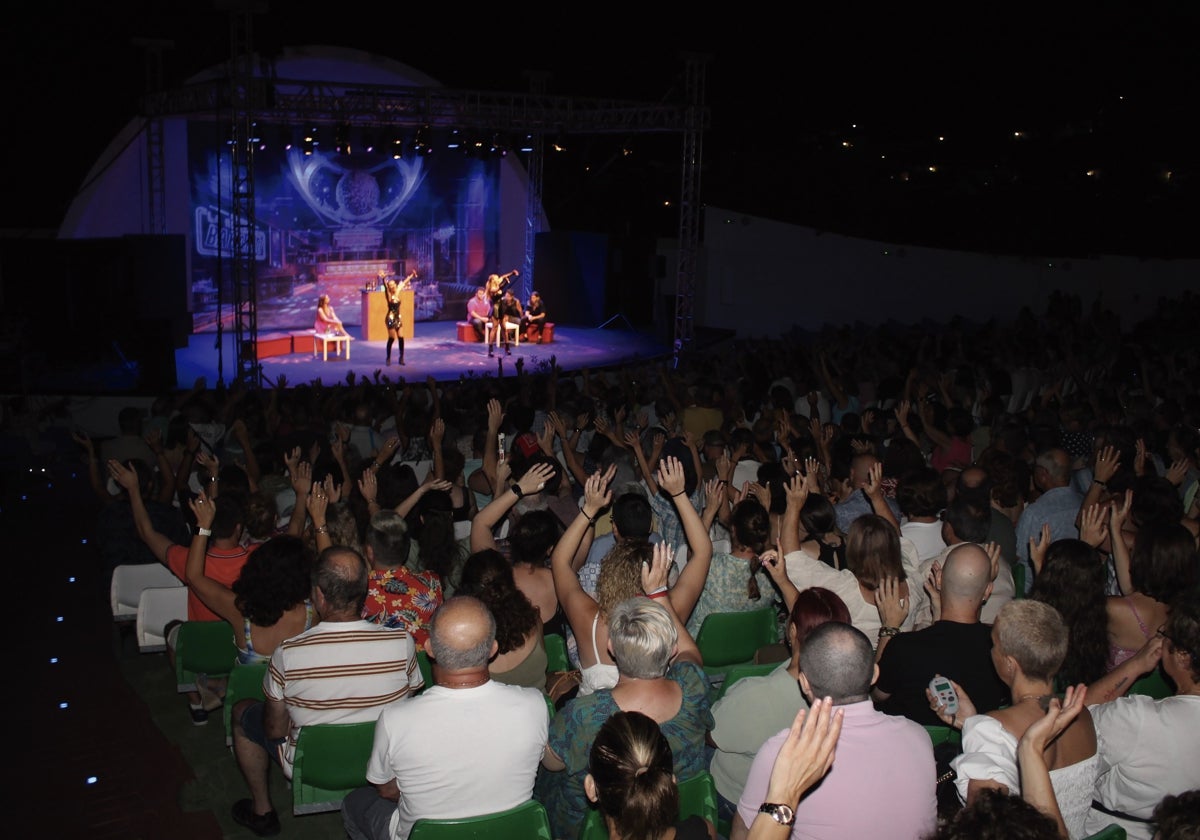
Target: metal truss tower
{"x":534,"y":170}
{"x":689,"y":206}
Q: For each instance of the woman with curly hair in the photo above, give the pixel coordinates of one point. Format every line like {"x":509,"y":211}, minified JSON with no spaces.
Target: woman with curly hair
{"x":521,"y":659}
{"x":1071,"y":578}
{"x":269,"y":602}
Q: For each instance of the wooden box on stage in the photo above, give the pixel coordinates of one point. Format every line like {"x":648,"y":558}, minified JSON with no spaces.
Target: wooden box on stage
{"x":273,"y":344}
{"x":302,"y":342}
{"x":374,"y":314}
{"x":466,"y":332}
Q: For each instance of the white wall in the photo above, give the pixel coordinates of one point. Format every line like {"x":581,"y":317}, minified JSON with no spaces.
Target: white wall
{"x":760,"y":277}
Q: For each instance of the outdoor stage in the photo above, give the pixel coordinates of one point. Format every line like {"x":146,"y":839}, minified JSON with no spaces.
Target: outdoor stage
{"x":435,"y":351}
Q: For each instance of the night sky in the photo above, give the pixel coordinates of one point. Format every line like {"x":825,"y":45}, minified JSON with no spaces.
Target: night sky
{"x":1007,"y":128}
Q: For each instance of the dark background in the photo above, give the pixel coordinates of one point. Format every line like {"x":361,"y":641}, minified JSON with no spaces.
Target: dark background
{"x":1109,"y":88}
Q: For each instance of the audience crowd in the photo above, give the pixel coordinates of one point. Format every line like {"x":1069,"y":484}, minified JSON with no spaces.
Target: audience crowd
{"x":1013,"y":507}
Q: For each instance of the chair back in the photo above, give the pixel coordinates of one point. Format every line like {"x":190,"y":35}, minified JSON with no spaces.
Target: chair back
{"x":527,"y":821}
{"x":1153,"y":684}
{"x":203,"y":647}
{"x":330,"y":761}
{"x":1018,"y":573}
{"x":157,"y":607}
{"x":939,"y":735}
{"x":556,"y":653}
{"x":128,"y":582}
{"x":425,"y":666}
{"x":245,"y":683}
{"x":1111,"y":832}
{"x":741,"y":670}
{"x":730,"y":638}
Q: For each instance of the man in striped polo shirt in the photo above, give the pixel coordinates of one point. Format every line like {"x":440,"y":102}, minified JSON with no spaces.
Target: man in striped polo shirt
{"x":343,"y":670}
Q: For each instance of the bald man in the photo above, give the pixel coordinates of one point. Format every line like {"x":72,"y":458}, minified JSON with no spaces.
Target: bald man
{"x":467,"y":746}
{"x":957,"y":645}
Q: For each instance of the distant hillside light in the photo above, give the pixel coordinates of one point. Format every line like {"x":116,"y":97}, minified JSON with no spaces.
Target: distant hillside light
{"x":1018,"y":134}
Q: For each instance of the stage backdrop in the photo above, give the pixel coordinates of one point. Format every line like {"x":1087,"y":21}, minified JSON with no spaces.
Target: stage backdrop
{"x":330,"y":222}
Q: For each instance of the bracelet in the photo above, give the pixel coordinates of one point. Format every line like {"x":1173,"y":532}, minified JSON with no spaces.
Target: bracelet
{"x":680,"y":493}
{"x":203,"y":532}
{"x":888,"y":631}
{"x":659,"y":593}
{"x":321,"y":529}
{"x":1098,"y":481}
{"x":517,"y":491}
{"x":591,"y":519}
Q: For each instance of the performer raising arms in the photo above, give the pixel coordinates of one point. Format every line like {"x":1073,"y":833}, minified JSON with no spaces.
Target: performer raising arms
{"x":392,"y":289}
{"x":496,"y":284}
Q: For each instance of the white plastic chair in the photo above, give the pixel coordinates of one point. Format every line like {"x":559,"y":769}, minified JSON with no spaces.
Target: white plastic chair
{"x":513,"y":327}
{"x":421,"y":469}
{"x":158,"y":607}
{"x":462,"y":530}
{"x":129,"y":580}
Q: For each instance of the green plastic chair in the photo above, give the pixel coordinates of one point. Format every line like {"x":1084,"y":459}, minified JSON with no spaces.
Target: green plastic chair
{"x":203,"y":647}
{"x":330,"y":761}
{"x":697,"y":797}
{"x":939,"y":735}
{"x":426,"y":668}
{"x":1018,"y":573}
{"x":245,"y":683}
{"x":556,"y":653}
{"x":732,"y":638}
{"x":1153,"y":685}
{"x":741,"y":670}
{"x":1112,"y":832}
{"x":525,"y":822}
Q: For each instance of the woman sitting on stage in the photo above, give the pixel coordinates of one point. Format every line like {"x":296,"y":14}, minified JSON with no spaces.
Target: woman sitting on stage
{"x":535,"y":318}
{"x":327,"y":323}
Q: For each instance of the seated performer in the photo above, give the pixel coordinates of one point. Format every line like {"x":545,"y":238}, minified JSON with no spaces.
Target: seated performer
{"x":535,"y":318}
{"x":327,"y":322}
{"x":479,"y":311}
{"x":510,"y":312}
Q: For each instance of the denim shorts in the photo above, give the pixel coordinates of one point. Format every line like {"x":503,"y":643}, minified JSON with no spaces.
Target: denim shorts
{"x":254,"y":730}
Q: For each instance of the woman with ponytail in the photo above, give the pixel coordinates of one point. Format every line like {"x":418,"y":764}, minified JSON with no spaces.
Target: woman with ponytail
{"x":736,"y":581}
{"x":631,"y":780}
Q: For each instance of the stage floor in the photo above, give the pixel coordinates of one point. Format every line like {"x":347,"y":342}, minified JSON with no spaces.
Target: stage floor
{"x":435,"y":351}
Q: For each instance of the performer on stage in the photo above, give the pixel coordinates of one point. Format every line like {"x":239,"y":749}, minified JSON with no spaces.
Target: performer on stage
{"x":479,"y":311}
{"x":392,"y":289}
{"x":496,"y":284}
{"x":535,"y":317}
{"x":327,"y":322}
{"x":510,"y":312}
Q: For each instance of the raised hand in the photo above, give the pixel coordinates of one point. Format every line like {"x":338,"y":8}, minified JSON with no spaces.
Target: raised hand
{"x":437,"y":432}
{"x":207,"y":462}
{"x":291,"y":459}
{"x":123,"y":475}
{"x":204,"y":509}
{"x":992,"y":549}
{"x":1139,"y":458}
{"x":656,"y":573}
{"x":316,"y":504}
{"x":892,"y":606}
{"x":933,"y":588}
{"x":302,"y":479}
{"x":596,"y":493}
{"x":1058,"y":717}
{"x":1038,"y":546}
{"x":761,"y":492}
{"x":714,"y":492}
{"x":807,"y":753}
{"x":495,"y":416}
{"x":1093,"y":525}
{"x":874,"y":486}
{"x":388,"y":450}
{"x":1118,"y":515}
{"x":368,"y":486}
{"x":535,"y":478}
{"x":1178,"y":471}
{"x":1107,"y":461}
{"x":795,"y":492}
{"x":670,"y":476}
{"x":331,"y":490}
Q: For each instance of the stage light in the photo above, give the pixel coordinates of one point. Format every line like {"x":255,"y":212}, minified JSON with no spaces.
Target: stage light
{"x":397,"y":149}
{"x":455,"y":139}
{"x":497,"y":147}
{"x":527,"y":143}
{"x":342,"y":139}
{"x":419,"y":145}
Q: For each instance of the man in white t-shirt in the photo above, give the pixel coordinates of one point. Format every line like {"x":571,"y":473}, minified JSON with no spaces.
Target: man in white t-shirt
{"x":467,"y":746}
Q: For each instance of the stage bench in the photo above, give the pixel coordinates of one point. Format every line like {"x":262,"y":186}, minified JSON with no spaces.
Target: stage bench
{"x":273,"y":344}
{"x":467,"y":334}
{"x":302,"y":342}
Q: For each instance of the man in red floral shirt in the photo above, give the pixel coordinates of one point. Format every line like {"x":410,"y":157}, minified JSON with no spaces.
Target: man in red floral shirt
{"x":397,"y":596}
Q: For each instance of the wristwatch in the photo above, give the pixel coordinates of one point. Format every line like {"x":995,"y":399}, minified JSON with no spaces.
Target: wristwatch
{"x":782,"y":814}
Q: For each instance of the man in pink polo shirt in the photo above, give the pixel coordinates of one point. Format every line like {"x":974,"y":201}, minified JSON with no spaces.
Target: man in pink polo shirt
{"x":882,"y":783}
